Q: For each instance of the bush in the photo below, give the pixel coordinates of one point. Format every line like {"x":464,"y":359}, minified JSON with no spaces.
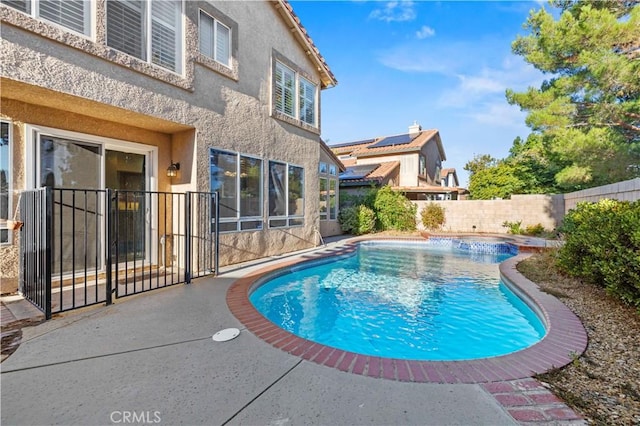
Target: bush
{"x":350,"y":200}
{"x":535,"y":230}
{"x":513,"y":227}
{"x":516,"y":228}
{"x":394,"y":211}
{"x":357,"y":220}
{"x":602,"y":246}
{"x":432,"y":216}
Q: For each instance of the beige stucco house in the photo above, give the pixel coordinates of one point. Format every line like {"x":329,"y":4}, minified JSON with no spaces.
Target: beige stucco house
{"x":169,"y":96}
{"x":409,"y":162}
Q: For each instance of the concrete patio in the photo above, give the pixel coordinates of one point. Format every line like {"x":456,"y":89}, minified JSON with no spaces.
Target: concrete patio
{"x":151,"y":358}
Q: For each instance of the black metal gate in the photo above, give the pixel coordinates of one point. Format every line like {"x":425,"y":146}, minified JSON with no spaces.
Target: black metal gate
{"x":80,"y":247}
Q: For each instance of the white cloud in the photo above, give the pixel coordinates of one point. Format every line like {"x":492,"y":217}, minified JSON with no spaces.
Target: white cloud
{"x":424,"y":59}
{"x":425,"y":32}
{"x":499,"y":114}
{"x":395,"y":11}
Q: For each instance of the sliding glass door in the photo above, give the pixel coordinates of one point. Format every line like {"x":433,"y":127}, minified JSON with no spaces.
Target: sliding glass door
{"x":82,"y":168}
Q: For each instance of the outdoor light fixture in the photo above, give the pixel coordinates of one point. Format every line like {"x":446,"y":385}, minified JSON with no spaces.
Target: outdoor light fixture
{"x":172,"y":170}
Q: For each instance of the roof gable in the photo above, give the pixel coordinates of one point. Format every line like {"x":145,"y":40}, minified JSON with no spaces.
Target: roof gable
{"x":300,"y":33}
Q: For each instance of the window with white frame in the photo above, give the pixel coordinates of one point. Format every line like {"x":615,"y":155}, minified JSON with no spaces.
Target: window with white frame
{"x":333,"y":199}
{"x":215,"y":39}
{"x":238,"y":180}
{"x":294,"y":95}
{"x":328,"y":191}
{"x":286,"y":195}
{"x":71,"y":14}
{"x":150,"y":30}
{"x":324,"y":196}
{"x":5,"y":181}
{"x":307,"y":103}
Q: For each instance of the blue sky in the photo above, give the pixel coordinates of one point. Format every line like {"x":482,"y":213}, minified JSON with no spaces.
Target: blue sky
{"x":444,"y":64}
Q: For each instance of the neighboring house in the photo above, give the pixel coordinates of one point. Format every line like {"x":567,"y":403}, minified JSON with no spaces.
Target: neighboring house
{"x":449,"y":180}
{"x":166,"y":96}
{"x":409,"y":162}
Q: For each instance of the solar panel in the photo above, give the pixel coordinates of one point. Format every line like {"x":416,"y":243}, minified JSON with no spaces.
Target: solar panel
{"x":393,"y":140}
{"x":340,"y":145}
{"x":358,"y":172}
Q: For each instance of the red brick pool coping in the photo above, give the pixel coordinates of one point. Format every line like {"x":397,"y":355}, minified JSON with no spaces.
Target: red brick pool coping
{"x":566,"y":338}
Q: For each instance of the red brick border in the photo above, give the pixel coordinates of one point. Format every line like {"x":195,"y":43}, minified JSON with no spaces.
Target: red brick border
{"x":565,"y":337}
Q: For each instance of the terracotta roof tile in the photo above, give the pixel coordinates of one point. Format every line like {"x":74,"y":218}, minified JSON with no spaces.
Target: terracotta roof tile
{"x":384,"y":170}
{"x":378,"y":173}
{"x":417,"y":143}
{"x":286,"y":10}
{"x":445,"y":172}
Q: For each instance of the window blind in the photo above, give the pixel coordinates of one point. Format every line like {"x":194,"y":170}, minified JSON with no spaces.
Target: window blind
{"x":164,"y":33}
{"x":21,"y":5}
{"x":307,"y":101}
{"x":72,"y":14}
{"x":126,"y":27}
{"x":223,"y":38}
{"x":206,"y":34}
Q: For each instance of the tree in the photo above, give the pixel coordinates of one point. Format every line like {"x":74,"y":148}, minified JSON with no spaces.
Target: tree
{"x":588,"y":111}
{"x":480,"y":162}
{"x":528,"y":169}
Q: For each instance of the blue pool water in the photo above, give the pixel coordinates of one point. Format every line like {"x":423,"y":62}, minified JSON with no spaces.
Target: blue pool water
{"x":410,"y":301}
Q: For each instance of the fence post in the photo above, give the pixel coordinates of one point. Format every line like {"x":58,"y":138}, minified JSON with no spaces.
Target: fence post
{"x":217,"y":233}
{"x":48,"y":214}
{"x":187,"y":237}
{"x":108,"y":243}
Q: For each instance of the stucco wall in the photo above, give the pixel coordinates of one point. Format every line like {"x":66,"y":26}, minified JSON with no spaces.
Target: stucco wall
{"x":434,"y":161}
{"x":489,"y":215}
{"x":56,"y":79}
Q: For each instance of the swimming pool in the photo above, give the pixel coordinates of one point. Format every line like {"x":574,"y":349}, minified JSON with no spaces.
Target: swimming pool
{"x":419,"y":301}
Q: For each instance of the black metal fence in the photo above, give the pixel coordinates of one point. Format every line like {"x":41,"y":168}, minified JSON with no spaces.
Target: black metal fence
{"x":81,"y":247}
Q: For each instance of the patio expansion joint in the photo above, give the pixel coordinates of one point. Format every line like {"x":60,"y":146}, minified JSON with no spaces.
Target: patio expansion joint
{"x":255,"y":398}
{"x":70,"y":361}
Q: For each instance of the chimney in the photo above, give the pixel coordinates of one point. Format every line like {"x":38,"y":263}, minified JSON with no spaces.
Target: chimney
{"x":414,"y":129}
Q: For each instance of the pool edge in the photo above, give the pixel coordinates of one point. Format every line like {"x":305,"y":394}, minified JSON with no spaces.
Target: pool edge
{"x":566,"y":338}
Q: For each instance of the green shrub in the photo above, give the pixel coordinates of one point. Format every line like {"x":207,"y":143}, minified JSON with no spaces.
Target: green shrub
{"x":350,"y":200}
{"x":513,"y":227}
{"x":394,"y":211}
{"x":602,"y":246}
{"x":432,"y":216}
{"x":535,"y":230}
{"x":357,"y":220}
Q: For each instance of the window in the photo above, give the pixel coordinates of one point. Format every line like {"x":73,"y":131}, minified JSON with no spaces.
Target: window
{"x":215,"y":39}
{"x":286,"y":195}
{"x":149,"y":30}
{"x":294,"y":95}
{"x":307,"y":102}
{"x":5,"y":181}
{"x":71,"y":14}
{"x":333,"y":204}
{"x":328,"y":192}
{"x":238,"y":180}
{"x":323,"y":198}
{"x":422,"y":171}
{"x":285,"y":86}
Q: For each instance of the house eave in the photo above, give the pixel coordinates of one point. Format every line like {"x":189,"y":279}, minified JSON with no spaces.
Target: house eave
{"x":300,"y":33}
